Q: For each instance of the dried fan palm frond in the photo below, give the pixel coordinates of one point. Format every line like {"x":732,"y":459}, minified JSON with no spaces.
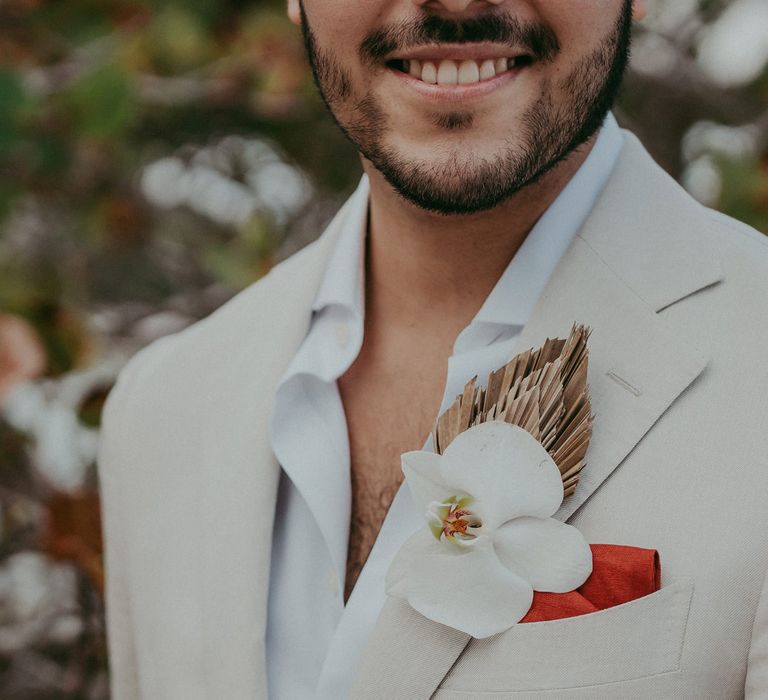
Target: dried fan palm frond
{"x":543,"y":391}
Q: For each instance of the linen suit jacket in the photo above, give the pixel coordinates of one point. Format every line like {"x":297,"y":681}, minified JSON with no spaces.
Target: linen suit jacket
{"x":677,"y":297}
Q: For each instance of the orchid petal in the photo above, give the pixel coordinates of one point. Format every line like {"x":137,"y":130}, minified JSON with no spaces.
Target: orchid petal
{"x":425,"y":481}
{"x":549,"y":554}
{"x":506,"y":469}
{"x":466,"y":588}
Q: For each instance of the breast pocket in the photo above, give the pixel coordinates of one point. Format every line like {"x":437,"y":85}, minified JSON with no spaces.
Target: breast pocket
{"x":641,"y":638}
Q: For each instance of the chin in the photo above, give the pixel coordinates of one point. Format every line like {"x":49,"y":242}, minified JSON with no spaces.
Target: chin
{"x":445,"y":157}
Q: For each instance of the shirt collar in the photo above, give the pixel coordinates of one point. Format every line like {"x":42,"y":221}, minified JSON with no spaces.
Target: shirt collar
{"x":342,"y":283}
{"x":335,"y":333}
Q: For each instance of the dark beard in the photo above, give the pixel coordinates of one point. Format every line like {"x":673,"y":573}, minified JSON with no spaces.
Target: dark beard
{"x":462,"y":185}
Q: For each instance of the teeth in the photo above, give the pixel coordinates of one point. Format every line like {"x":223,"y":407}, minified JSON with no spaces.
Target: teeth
{"x":468,"y":72}
{"x":429,"y":72}
{"x":487,"y":70}
{"x":447,"y":73}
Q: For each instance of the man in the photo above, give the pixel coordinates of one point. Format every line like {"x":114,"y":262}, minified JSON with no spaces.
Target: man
{"x":250,"y":464}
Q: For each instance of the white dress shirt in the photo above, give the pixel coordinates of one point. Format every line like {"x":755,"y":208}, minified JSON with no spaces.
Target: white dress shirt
{"x":314,"y":642}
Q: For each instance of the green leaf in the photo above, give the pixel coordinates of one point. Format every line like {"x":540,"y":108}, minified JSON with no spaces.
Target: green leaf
{"x":13,"y":104}
{"x":104,"y":102}
{"x":179,"y":41}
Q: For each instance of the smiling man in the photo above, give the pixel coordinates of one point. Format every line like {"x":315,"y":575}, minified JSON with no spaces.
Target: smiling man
{"x":250,"y":465}
{"x":459,"y":108}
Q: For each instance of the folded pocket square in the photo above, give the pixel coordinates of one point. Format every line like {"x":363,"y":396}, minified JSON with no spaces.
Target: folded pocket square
{"x":619,"y":574}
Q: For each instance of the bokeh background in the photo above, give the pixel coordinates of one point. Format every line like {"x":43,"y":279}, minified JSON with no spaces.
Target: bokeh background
{"x":156,"y":156}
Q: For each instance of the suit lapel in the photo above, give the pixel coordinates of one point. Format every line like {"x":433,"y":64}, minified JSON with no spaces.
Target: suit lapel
{"x":638,"y":367}
{"x":407,"y":657}
{"x":238,"y":474}
{"x":621,"y":271}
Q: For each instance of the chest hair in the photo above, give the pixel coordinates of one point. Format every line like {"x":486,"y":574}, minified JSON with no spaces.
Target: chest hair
{"x":386,"y":416}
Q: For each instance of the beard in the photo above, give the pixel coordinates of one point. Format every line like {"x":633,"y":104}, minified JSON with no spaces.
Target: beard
{"x":460,"y":182}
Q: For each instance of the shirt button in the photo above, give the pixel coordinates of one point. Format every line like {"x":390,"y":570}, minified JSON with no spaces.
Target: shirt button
{"x":342,"y":334}
{"x":333,"y":583}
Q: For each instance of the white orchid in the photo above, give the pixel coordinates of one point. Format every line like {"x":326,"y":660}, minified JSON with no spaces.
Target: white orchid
{"x":490,"y":540}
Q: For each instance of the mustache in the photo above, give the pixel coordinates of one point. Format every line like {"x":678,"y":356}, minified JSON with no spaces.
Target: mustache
{"x":536,"y":38}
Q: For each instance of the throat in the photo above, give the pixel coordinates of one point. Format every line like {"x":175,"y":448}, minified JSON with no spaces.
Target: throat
{"x":422,"y":265}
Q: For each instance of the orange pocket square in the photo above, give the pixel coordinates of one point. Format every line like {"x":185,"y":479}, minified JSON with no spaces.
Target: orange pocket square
{"x":619,"y":574}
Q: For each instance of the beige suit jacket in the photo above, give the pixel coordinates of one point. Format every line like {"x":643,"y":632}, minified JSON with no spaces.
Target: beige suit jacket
{"x":677,"y":296}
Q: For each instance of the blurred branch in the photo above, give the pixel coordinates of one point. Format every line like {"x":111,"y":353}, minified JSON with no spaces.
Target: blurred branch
{"x":183,"y":90}
{"x":166,"y":91}
{"x":41,"y":81}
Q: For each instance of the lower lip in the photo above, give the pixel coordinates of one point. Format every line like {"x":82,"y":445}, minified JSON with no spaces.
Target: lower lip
{"x":457,"y":93}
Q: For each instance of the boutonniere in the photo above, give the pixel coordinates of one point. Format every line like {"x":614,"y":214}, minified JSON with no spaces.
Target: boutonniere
{"x":505,"y":457}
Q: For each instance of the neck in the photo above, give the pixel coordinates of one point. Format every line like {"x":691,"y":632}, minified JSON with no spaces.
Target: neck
{"x":434,"y":271}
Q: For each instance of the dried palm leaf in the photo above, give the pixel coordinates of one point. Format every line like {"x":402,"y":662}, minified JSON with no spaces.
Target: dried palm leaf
{"x":543,"y":391}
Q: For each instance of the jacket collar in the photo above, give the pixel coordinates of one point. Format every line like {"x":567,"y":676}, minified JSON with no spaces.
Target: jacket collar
{"x":651,"y":232}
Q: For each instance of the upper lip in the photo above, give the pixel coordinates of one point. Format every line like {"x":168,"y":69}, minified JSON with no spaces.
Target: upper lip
{"x":440,"y":52}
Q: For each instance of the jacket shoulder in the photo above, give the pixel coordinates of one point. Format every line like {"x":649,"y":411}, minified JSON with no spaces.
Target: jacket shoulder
{"x":738,"y":236}
{"x":173,"y":371}
{"x":252,"y":312}
{"x":743,"y":256}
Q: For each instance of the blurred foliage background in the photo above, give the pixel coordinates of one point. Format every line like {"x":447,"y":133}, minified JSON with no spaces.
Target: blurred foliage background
{"x":156,"y":156}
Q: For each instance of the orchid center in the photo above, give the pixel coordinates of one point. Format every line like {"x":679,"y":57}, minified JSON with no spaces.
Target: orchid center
{"x":452,"y":520}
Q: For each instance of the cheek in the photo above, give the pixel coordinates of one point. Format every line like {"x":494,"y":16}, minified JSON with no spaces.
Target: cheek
{"x":579,"y":26}
{"x":341,"y":24}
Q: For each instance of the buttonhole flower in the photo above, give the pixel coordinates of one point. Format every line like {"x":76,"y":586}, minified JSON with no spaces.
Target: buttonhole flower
{"x":490,"y":540}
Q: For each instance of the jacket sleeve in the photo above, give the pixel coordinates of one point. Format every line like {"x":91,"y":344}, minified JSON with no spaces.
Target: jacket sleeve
{"x":757,"y":665}
{"x":120,"y":638}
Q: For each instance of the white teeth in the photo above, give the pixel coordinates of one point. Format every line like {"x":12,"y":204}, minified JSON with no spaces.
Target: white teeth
{"x":468,"y":72}
{"x":447,"y":73}
{"x":429,"y":72}
{"x":487,"y":70}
